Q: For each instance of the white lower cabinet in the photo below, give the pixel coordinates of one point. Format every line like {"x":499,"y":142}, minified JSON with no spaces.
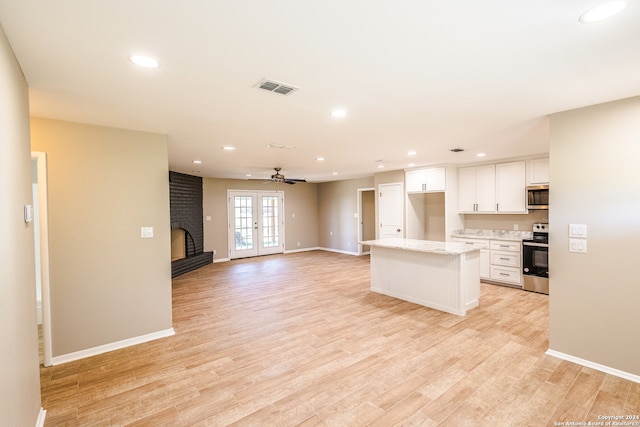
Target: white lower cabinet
{"x":506,"y":261}
{"x":485,"y":263}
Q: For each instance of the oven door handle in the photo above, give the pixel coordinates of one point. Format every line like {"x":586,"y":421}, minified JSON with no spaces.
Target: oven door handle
{"x":538,"y":245}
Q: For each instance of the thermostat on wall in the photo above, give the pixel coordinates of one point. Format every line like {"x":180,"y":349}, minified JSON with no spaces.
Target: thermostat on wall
{"x":28,"y":213}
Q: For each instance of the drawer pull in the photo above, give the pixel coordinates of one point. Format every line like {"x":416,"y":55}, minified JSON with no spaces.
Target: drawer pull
{"x":504,"y":274}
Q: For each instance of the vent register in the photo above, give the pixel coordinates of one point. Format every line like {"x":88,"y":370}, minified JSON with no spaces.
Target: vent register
{"x":275,"y":86}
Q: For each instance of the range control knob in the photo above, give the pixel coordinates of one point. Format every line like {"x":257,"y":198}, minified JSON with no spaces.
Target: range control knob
{"x":526,"y":269}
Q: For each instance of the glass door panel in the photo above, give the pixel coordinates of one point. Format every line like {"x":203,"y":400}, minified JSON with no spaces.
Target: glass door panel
{"x":255,"y":223}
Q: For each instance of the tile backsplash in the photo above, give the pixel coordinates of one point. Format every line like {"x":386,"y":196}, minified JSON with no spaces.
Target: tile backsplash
{"x":505,"y":222}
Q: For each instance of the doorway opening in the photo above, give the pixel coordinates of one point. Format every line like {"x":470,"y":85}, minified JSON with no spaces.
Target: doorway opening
{"x":41,"y":243}
{"x":256,"y":223}
{"x":366,"y":218}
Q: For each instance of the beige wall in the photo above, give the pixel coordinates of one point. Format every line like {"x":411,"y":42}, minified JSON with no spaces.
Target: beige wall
{"x":300,"y":211}
{"x":19,"y":371}
{"x":338,"y":205}
{"x":104,"y":184}
{"x":594,"y":297}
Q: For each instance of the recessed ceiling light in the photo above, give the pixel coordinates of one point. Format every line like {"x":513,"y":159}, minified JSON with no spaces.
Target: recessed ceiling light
{"x":380,"y":166}
{"x":248,"y":175}
{"x":481,"y":154}
{"x":197,"y":162}
{"x":228,"y":148}
{"x":334,"y":173}
{"x":338,"y":113}
{"x":411,"y":153}
{"x":411,"y":165}
{"x":320,"y":159}
{"x":144,"y":61}
{"x":602,"y":12}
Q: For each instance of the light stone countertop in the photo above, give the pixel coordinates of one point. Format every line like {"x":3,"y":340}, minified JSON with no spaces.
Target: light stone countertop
{"x":493,"y":234}
{"x":428,"y":246}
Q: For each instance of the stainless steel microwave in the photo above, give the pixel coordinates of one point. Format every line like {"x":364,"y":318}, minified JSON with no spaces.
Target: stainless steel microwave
{"x":538,"y":197}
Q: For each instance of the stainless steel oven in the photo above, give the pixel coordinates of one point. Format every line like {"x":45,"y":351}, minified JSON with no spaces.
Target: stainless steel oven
{"x":535,"y":260}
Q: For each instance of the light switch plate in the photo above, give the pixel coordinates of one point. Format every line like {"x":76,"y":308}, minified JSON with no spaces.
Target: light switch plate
{"x":146,"y":232}
{"x":578,"y":245}
{"x":578,"y":230}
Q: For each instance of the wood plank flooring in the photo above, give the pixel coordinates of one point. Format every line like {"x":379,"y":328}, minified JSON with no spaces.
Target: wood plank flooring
{"x":299,"y":339}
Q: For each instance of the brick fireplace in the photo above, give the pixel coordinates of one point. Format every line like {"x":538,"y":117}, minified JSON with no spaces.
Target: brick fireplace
{"x":187,"y":234}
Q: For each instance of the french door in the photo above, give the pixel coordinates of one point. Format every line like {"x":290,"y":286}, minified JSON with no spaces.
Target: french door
{"x":256,"y":223}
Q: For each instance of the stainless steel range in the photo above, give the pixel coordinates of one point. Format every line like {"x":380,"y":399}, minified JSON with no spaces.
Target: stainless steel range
{"x":535,"y":260}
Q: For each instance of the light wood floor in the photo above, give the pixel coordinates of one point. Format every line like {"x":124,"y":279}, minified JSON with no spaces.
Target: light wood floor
{"x":299,"y":339}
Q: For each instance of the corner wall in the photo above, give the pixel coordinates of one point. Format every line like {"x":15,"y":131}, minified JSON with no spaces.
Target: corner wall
{"x":19,"y":370}
{"x":107,"y":284}
{"x":337,"y":204}
{"x":594,"y":297}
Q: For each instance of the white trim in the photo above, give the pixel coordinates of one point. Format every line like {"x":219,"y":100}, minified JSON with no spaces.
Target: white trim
{"x":359,"y":219}
{"x":293,"y":251}
{"x":70,"y":357}
{"x":43,"y":215}
{"x":598,"y":367}
{"x":221,"y":260}
{"x":41,"y":416}
{"x":340,"y":251}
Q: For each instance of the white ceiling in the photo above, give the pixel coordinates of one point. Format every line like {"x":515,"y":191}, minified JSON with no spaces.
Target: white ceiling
{"x":413,"y":75}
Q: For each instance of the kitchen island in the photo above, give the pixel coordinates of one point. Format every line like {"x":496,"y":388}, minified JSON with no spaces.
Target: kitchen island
{"x":440,"y":275}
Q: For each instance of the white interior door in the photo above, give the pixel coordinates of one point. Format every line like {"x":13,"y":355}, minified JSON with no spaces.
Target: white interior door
{"x":256,"y":223}
{"x":390,"y":211}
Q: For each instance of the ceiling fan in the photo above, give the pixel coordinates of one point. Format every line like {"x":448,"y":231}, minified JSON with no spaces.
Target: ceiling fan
{"x":278,"y":177}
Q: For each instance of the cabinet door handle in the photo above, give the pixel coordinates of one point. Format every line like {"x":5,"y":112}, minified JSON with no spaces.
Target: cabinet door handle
{"x":497,"y":207}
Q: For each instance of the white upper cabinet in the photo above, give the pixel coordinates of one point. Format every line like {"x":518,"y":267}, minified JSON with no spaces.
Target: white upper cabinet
{"x":538,"y":171}
{"x":510,"y":188}
{"x":425,"y":180}
{"x":496,"y":188}
{"x":476,"y":189}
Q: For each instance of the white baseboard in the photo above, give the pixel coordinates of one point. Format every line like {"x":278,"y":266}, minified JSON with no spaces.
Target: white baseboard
{"x":596,"y":366}
{"x":293,"y":251}
{"x":340,"y":251}
{"x":215,"y":261}
{"x":70,"y":357}
{"x":41,"y":416}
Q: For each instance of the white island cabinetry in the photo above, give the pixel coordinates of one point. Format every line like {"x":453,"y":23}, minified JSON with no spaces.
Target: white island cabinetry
{"x":441,"y":275}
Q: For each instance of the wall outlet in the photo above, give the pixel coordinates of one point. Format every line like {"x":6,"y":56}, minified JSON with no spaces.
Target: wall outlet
{"x":214,"y":251}
{"x":516,"y":227}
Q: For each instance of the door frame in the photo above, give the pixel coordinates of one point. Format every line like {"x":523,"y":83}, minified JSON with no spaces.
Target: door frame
{"x":231,"y":239}
{"x":360,"y":191}
{"x":43,"y":230}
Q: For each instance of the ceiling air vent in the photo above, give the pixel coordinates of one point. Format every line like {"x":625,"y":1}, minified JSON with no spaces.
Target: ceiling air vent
{"x":274,"y":86}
